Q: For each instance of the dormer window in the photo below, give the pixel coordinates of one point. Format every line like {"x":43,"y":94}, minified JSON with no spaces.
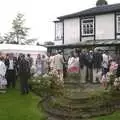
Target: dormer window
{"x":87,"y":27}
{"x":118,"y":24}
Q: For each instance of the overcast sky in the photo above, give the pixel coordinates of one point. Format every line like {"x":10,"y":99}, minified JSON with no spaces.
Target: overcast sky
{"x":39,"y":14}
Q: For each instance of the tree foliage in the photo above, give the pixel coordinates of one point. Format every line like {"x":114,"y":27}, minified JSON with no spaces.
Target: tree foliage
{"x":101,"y":2}
{"x":9,"y":38}
{"x":30,"y":41}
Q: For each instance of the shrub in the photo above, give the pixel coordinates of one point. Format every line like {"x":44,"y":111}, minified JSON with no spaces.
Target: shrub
{"x":46,"y":85}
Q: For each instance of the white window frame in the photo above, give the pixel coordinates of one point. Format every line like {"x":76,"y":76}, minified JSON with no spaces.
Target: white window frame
{"x":118,"y":23}
{"x":85,"y":24}
{"x":58,"y":31}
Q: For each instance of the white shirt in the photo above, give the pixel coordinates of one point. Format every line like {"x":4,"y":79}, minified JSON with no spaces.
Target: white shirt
{"x":11,"y":66}
{"x":51,"y":60}
{"x":106,"y":59}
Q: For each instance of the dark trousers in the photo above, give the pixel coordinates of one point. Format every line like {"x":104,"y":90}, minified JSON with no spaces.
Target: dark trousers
{"x":24,"y":83}
{"x":11,"y":78}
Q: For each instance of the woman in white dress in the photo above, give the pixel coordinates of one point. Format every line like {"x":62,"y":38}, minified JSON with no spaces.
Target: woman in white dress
{"x":3,"y":81}
{"x":44,"y":64}
{"x":71,"y":61}
{"x":38,"y":65}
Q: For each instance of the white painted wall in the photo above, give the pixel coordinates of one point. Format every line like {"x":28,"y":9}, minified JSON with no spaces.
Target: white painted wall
{"x":105,"y":26}
{"x":59,"y":42}
{"x":87,"y":38}
{"x":71,"y":31}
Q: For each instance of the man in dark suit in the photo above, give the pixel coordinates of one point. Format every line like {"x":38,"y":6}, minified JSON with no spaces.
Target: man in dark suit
{"x":11,"y":64}
{"x":24,"y":72}
{"x":89,"y":63}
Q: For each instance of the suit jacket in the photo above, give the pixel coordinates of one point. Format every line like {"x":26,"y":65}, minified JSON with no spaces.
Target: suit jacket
{"x":24,"y":67}
{"x":59,"y":61}
{"x":7,"y":63}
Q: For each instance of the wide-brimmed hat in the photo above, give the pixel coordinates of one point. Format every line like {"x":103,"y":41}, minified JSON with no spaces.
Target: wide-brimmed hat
{"x":90,"y":51}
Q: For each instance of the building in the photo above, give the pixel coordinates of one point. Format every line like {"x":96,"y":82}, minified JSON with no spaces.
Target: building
{"x":100,"y":23}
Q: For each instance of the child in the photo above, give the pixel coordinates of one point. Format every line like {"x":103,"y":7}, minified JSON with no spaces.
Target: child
{"x":104,"y":81}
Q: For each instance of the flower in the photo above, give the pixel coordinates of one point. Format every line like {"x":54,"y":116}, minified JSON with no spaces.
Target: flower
{"x":45,"y":75}
{"x":33,"y":80}
{"x":113,"y":66}
{"x":117,"y":82}
{"x":38,"y":81}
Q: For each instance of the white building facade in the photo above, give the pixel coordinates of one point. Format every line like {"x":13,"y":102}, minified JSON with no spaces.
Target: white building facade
{"x":97,"y":23}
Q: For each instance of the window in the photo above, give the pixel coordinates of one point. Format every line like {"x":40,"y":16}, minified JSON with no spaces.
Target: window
{"x":87,"y":27}
{"x":58,"y":31}
{"x":118,"y":24}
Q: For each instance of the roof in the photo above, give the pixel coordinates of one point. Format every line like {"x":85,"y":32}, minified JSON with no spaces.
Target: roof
{"x":89,"y":43}
{"x":94,"y":11}
{"x":22,"y":48}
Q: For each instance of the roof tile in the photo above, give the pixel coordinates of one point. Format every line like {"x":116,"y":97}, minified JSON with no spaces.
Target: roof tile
{"x":94,"y":11}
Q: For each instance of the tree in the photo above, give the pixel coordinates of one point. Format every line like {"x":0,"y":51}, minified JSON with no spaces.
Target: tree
{"x":101,"y":2}
{"x":1,"y":39}
{"x":9,"y":38}
{"x":20,"y":32}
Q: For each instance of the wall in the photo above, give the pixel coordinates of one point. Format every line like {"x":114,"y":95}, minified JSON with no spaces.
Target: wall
{"x":105,"y":28}
{"x":87,"y":38}
{"x":71,"y":31}
{"x":58,"y":42}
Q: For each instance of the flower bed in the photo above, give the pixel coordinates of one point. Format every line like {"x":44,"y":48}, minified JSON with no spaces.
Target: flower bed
{"x":46,"y":85}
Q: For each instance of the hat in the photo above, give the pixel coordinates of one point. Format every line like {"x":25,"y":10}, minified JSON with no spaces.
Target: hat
{"x":59,"y":51}
{"x":90,"y":51}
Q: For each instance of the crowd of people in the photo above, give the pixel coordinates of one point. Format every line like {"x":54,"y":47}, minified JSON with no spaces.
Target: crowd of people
{"x":19,"y":67}
{"x":10,"y":68}
{"x":92,"y":66}
{"x":95,"y":66}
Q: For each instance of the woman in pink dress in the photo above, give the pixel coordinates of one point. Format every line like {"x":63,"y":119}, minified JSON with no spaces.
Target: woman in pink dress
{"x":73,"y":64}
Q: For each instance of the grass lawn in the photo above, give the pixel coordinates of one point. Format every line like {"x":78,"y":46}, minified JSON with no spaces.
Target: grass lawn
{"x":14,"y":106}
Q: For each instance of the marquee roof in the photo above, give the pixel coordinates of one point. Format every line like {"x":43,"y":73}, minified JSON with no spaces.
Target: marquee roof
{"x":88,"y":43}
{"x":24,"y":48}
